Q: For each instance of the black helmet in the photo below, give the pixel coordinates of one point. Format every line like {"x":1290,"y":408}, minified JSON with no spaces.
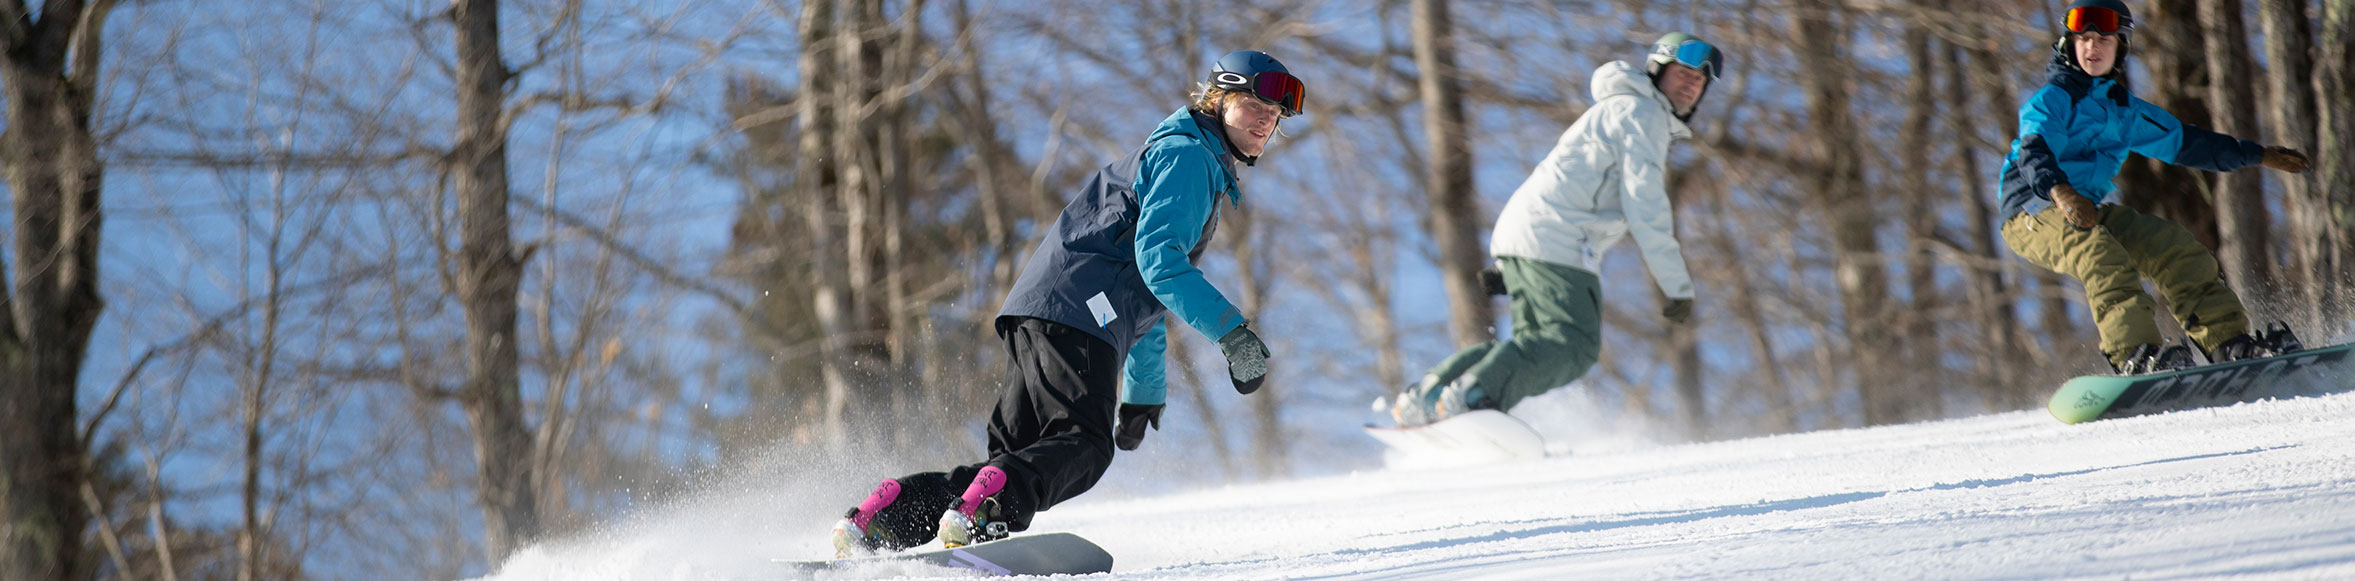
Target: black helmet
{"x":2107,"y":17}
{"x":2103,"y":16}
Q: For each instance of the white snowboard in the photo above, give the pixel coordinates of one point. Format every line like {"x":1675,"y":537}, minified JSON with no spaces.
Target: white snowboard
{"x":1470,"y":436}
{"x":1039,"y":554}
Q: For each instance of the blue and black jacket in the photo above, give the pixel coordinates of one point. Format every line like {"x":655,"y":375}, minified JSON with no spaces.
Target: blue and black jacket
{"x":2078,"y":128}
{"x":1122,"y":255}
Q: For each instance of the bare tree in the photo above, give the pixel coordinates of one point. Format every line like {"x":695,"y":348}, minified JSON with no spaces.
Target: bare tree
{"x":1918,"y":321}
{"x":1836,"y":185}
{"x":2244,"y":230}
{"x":1456,"y":220}
{"x":2169,"y":43}
{"x":50,"y":73}
{"x":2289,"y":42}
{"x":489,"y":278}
{"x":2334,"y":176}
{"x":1990,"y":295}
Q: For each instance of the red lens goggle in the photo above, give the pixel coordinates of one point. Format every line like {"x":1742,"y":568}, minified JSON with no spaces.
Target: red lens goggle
{"x":2097,"y":19}
{"x":1279,"y":89}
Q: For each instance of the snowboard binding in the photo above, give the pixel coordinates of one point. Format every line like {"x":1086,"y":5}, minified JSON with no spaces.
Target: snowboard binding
{"x":2149,"y":359}
{"x":2278,"y":339}
{"x":2275,"y":339}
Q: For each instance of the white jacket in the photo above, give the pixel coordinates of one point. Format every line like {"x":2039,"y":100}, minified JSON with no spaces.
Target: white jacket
{"x":1604,"y":179}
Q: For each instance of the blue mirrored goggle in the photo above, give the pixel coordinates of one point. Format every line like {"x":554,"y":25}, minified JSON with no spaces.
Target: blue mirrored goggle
{"x":1698,"y":55}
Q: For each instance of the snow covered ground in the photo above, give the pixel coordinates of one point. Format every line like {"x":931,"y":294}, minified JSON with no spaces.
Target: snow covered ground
{"x":2264,"y":490}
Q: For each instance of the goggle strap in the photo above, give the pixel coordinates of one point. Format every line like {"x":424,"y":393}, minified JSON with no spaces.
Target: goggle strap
{"x":2097,"y":19}
{"x":1282,"y":90}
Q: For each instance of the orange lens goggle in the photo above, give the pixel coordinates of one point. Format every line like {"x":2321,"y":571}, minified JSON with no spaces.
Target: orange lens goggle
{"x":2097,"y":19}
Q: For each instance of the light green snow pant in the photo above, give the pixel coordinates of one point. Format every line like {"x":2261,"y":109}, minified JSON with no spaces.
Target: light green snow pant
{"x":2112,"y":260}
{"x":1557,"y":335}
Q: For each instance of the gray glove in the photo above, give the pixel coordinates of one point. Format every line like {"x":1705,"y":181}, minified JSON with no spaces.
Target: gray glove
{"x":1246,"y":358}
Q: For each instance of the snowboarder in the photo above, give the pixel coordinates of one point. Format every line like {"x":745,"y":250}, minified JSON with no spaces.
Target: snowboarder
{"x":1089,"y":309}
{"x":1605,"y":178}
{"x":2074,"y":134}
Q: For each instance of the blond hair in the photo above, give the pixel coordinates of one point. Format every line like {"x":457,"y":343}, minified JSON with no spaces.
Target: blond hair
{"x":1212,"y":101}
{"x":1209,"y":100}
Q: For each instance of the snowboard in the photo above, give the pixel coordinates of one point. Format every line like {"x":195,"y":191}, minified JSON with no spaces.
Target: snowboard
{"x":1488,"y":434}
{"x":1040,"y":554}
{"x":2099,"y":397}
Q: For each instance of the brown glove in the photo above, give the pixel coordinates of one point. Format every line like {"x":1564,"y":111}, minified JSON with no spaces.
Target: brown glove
{"x":2286,"y":159}
{"x":2080,"y":210}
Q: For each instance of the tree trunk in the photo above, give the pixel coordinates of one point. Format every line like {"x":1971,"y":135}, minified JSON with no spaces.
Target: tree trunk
{"x":1375,"y":320}
{"x":997,"y":174}
{"x":1273,"y":451}
{"x":489,"y":278}
{"x":1773,"y":386}
{"x":2169,"y":45}
{"x":862,"y":132}
{"x":2289,"y":40}
{"x":1989,"y":296}
{"x":50,"y":72}
{"x":1684,"y":352}
{"x":1782,"y":414}
{"x":1923,"y":348}
{"x":1455,"y":207}
{"x":815,"y":174}
{"x":2243,"y":229}
{"x":1198,"y":396}
{"x":1837,"y":189}
{"x":251,"y":531}
{"x":2334,"y":88}
{"x":1997,"y":294}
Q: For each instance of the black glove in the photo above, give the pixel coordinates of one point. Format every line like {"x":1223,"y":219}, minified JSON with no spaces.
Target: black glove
{"x":1246,"y":358}
{"x":1492,"y":281}
{"x":1678,"y":311}
{"x":1133,"y":420}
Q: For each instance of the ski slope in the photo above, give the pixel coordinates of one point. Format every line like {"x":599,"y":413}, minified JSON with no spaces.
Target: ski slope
{"x":2263,"y":490}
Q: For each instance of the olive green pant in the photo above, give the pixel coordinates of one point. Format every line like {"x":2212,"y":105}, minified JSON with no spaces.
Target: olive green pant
{"x":2124,"y":247}
{"x":1557,"y":334}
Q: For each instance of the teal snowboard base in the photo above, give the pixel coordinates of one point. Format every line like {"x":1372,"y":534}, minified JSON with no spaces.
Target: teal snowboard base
{"x":2100,"y":397}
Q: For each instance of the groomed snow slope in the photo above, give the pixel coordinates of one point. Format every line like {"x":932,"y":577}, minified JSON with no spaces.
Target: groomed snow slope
{"x":2264,"y":490}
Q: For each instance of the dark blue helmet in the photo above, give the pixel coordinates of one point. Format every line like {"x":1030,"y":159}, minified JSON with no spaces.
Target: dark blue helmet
{"x":1260,"y":75}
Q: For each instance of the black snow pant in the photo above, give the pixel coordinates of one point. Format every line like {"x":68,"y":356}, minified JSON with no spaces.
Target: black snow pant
{"x":1051,"y":432}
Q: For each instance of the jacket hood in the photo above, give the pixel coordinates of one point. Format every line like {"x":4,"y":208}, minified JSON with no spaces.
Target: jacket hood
{"x":1186,"y":122}
{"x":1617,"y":78}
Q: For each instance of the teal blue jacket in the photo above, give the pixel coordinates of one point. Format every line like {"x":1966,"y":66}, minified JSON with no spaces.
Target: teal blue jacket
{"x":1122,"y":255}
{"x":2077,"y":130}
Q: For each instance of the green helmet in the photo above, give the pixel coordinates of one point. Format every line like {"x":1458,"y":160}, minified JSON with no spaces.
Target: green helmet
{"x":1689,"y":50}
